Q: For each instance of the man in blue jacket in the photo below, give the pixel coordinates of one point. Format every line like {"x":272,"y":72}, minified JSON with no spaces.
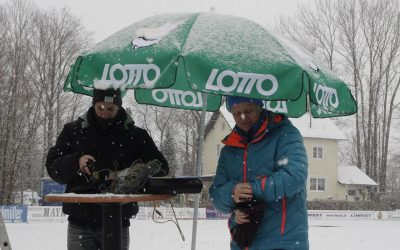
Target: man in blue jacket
{"x":263,"y":165}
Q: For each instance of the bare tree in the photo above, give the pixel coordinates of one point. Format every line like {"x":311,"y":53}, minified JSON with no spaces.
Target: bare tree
{"x":360,"y":40}
{"x":184,"y":126}
{"x":36,"y":49}
{"x":380,"y":33}
{"x":19,"y":120}
{"x":315,"y":28}
{"x":58,"y":38}
{"x":393,"y":180}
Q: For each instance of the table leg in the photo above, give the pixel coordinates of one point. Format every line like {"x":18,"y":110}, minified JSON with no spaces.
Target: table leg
{"x":112,"y":226}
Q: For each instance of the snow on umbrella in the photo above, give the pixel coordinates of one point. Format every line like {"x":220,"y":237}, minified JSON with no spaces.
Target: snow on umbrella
{"x":215,"y":54}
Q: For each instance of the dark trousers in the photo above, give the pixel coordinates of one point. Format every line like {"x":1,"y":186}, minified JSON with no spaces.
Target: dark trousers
{"x":86,"y":238}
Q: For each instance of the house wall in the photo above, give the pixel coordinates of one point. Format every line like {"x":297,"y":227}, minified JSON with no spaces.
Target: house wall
{"x":214,"y":137}
{"x":319,"y":168}
{"x":361,"y":192}
{"x":325,"y":168}
{"x":341,"y":191}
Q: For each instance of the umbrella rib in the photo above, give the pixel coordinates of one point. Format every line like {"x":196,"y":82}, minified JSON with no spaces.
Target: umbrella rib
{"x":190,"y":30}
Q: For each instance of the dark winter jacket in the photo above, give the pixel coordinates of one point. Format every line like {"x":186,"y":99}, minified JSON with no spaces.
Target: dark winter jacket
{"x":114,"y":148}
{"x":274,"y":161}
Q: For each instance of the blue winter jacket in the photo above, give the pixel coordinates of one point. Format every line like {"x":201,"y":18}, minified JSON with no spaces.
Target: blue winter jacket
{"x":274,"y":161}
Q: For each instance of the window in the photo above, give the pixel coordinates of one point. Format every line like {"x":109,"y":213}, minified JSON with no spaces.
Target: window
{"x":317,"y":184}
{"x":351,"y":192}
{"x":317,"y":152}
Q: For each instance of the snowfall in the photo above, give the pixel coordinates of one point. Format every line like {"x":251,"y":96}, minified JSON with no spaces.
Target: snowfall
{"x":213,"y":234}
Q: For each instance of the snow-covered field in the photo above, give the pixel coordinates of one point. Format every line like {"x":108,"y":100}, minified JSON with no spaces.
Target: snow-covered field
{"x":213,"y":234}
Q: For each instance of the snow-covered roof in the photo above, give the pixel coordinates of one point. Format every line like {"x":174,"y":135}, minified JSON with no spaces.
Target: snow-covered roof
{"x":317,"y":128}
{"x":354,"y":176}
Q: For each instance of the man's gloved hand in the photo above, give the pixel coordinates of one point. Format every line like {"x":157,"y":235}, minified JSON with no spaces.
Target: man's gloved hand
{"x":244,"y":234}
{"x":86,"y":164}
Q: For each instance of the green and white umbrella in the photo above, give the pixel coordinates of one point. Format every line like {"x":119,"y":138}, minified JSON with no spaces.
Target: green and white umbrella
{"x":190,"y":61}
{"x":216,"y":54}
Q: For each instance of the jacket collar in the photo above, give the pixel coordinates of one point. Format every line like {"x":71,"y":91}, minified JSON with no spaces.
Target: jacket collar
{"x":266,"y":122}
{"x":88,"y":118}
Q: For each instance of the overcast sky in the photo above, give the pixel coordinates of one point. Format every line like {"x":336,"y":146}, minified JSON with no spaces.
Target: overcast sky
{"x":105,"y":17}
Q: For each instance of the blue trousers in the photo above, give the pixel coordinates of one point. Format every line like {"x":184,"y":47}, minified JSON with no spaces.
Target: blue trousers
{"x":86,"y":238}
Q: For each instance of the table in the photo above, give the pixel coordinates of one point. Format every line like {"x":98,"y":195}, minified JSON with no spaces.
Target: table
{"x":111,"y":211}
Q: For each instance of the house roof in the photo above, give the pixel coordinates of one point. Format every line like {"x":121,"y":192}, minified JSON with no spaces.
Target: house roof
{"x":317,"y":128}
{"x":352,"y":175}
{"x":314,"y":128}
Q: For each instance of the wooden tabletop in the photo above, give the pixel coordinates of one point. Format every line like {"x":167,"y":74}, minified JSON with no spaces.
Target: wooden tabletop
{"x":105,"y":198}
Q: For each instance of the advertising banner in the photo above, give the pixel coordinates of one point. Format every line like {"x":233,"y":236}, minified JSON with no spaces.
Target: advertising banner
{"x":46,"y":214}
{"x":213,"y":214}
{"x":14,"y":214}
{"x":166,"y":213}
{"x":340,"y":215}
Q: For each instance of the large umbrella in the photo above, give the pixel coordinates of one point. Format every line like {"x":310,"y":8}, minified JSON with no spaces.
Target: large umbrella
{"x":217,"y":54}
{"x":190,"y":60}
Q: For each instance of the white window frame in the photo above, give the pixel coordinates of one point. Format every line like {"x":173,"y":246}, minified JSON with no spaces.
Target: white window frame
{"x":316,"y":184}
{"x":317,"y":156}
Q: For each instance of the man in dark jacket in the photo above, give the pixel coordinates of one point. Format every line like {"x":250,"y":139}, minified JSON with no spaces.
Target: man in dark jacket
{"x":104,"y":137}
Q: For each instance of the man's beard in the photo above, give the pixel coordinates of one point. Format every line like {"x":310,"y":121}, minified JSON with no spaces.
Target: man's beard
{"x":106,"y":124}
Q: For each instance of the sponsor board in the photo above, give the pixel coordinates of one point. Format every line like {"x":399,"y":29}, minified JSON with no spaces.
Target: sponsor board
{"x":146,"y":213}
{"x":14,"y":214}
{"x":341,"y":215}
{"x":46,"y":214}
{"x":37,"y":214}
{"x":213,"y":214}
{"x":392,"y":215}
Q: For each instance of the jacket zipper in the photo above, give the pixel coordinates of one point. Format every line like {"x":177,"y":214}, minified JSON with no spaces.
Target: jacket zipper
{"x":283,"y":215}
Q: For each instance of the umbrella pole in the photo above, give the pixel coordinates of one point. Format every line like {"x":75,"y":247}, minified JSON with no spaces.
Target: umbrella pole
{"x":199,"y":169}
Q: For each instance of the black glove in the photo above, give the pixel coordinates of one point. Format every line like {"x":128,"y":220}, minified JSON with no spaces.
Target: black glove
{"x":244,"y":234}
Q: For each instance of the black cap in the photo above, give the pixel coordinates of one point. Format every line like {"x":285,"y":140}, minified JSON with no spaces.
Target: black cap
{"x":108,"y":95}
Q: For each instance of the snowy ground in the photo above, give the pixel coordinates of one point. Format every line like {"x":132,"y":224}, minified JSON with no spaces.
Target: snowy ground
{"x":213,"y":234}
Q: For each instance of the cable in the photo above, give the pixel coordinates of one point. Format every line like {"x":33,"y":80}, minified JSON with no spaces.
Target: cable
{"x":175,"y":222}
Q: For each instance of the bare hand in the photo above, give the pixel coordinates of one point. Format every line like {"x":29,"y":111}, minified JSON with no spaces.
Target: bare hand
{"x":241,"y":217}
{"x":83,"y":163}
{"x":242,"y":192}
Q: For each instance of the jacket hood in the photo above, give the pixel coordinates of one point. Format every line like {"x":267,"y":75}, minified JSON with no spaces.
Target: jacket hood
{"x":268,"y":121}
